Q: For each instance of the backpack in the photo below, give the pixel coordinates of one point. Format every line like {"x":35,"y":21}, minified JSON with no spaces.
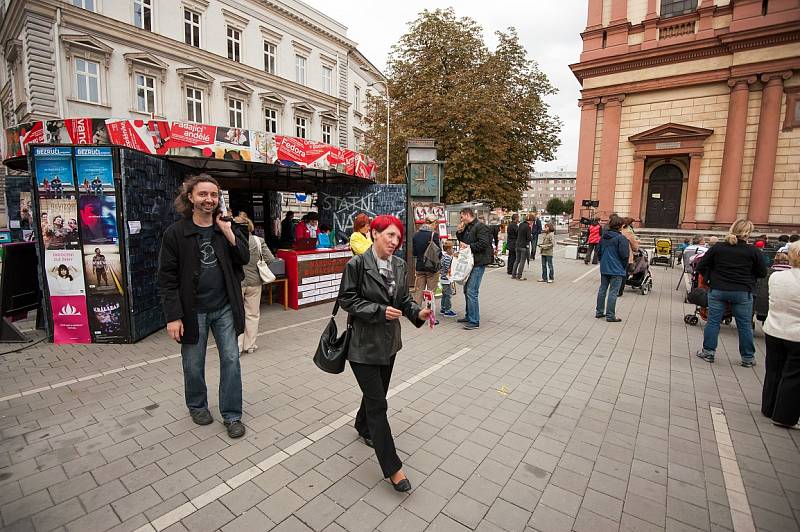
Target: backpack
{"x":432,"y":258}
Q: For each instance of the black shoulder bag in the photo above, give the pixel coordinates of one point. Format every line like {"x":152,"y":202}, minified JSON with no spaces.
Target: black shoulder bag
{"x":331,"y":353}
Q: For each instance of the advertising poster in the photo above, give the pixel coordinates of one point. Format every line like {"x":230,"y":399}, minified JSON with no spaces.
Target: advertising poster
{"x":103,"y":269}
{"x":64,"y":272}
{"x":59,"y":223}
{"x":70,"y":323}
{"x":98,"y":219}
{"x":106,"y":318}
{"x":94,"y":168}
{"x":25,"y":211}
{"x":53,"y":171}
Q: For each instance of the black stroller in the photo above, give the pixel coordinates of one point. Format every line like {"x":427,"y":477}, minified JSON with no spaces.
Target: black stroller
{"x":640,"y":277}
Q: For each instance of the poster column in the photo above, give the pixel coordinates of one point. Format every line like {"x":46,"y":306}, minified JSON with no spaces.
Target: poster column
{"x":97,"y":201}
{"x":58,"y":219}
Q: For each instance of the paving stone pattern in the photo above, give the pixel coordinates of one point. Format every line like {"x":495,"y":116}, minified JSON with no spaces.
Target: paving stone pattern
{"x":552,"y":420}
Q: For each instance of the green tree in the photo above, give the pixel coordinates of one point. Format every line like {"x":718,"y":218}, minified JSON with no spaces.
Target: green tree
{"x":485,"y":108}
{"x":555,"y":206}
{"x":569,"y":206}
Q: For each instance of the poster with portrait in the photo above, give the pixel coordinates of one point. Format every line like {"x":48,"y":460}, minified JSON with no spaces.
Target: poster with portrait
{"x":70,"y":320}
{"x":64,"y":269}
{"x":59,"y":223}
{"x":94,"y":168}
{"x":54,"y":177}
{"x":25,"y":211}
{"x":107,"y":318}
{"x":98,"y":219}
{"x":103,"y":269}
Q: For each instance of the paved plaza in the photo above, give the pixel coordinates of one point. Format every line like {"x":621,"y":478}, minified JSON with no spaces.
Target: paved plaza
{"x":543,"y":419}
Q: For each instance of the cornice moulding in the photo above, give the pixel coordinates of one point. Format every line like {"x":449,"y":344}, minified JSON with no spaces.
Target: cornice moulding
{"x":271,"y":35}
{"x":301,"y":47}
{"x":234,"y":19}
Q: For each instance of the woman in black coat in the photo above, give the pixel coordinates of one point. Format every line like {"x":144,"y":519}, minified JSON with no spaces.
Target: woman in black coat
{"x":374,"y":291}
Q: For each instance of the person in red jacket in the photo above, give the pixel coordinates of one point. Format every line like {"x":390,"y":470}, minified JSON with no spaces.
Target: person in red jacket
{"x":307,"y":228}
{"x":593,"y":241}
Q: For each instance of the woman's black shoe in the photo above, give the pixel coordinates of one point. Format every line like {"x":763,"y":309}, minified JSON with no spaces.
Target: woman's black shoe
{"x":403,"y":485}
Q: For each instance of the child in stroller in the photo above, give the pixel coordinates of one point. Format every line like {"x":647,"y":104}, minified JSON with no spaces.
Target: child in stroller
{"x":639,"y":276}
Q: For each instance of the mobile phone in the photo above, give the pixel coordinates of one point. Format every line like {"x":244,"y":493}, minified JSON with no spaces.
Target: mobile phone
{"x":223,"y":209}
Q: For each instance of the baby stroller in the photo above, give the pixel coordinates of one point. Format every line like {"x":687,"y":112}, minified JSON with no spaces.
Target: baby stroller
{"x":663,"y":252}
{"x":640,"y":277}
{"x":698,"y":296}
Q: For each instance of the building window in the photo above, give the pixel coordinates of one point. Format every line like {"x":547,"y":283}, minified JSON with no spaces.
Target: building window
{"x":235,"y":112}
{"x":269,"y":57}
{"x":300,"y":126}
{"x":194,"y":104}
{"x":271,"y":120}
{"x":143,"y":14}
{"x":327,"y":133}
{"x":145,"y":93}
{"x":327,"y":80}
{"x":88,"y":80}
{"x":357,"y":99}
{"x":191,"y":28}
{"x":300,"y":69}
{"x":357,"y":141}
{"x":672,"y":8}
{"x":84,"y":4}
{"x":234,"y":44}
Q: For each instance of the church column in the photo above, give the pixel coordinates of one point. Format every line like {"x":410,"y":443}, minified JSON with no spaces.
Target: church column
{"x":583,"y":183}
{"x":609,"y":152}
{"x":636,"y":190}
{"x":733,"y":154}
{"x":690,"y":209}
{"x":766,"y":146}
{"x":595,"y":16}
{"x":619,"y":11}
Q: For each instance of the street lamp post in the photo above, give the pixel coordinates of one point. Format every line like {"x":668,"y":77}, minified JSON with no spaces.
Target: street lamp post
{"x":388,"y":106}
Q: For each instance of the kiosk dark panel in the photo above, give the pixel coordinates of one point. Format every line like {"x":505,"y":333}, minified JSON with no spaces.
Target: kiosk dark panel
{"x":339,"y":204}
{"x":149,"y":185}
{"x":15,"y":184}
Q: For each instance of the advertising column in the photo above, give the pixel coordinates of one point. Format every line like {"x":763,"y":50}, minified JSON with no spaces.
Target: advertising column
{"x":94,"y":168}
{"x":58,"y":219}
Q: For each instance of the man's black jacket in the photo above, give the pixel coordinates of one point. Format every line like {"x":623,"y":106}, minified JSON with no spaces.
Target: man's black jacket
{"x":179,"y":272}
{"x":479,"y":239}
{"x":512,"y":235}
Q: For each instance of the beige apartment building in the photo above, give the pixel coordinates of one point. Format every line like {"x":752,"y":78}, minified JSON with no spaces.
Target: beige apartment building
{"x":543,"y":186}
{"x":690,"y":111}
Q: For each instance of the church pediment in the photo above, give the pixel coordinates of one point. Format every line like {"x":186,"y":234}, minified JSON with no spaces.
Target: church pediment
{"x":671,"y":133}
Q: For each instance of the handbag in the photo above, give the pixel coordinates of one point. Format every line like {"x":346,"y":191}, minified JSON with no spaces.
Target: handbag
{"x":263,"y":268}
{"x":462,"y":266}
{"x":432,"y":257}
{"x":331,"y":352}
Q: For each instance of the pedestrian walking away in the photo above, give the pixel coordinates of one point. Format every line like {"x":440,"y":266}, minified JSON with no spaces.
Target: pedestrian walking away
{"x":475,"y":235}
{"x":536,"y":230}
{"x":511,"y":243}
{"x":731,"y":269}
{"x":633,"y":242}
{"x":521,"y":253}
{"x":547,"y":246}
{"x":200,"y":274}
{"x":374,"y":291}
{"x":593,"y":241}
{"x":427,"y":269}
{"x":780,"y":399}
{"x":613,"y":252}
{"x":252,"y":284}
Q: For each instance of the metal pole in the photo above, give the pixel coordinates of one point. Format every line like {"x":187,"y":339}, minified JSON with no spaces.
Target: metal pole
{"x":387,"y":132}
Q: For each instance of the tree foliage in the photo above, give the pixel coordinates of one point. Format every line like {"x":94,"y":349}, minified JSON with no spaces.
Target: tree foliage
{"x":569,"y":206}
{"x":555,"y":206}
{"x":485,"y":108}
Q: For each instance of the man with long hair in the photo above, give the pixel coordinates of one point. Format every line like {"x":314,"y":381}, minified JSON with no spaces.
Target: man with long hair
{"x":200,"y":274}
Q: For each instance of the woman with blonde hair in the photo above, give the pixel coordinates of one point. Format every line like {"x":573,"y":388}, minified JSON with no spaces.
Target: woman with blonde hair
{"x":780,"y":399}
{"x":731,"y":269}
{"x":360,"y":240}
{"x":252,"y":284}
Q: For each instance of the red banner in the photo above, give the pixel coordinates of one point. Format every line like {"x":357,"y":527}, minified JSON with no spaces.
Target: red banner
{"x":188,"y":134}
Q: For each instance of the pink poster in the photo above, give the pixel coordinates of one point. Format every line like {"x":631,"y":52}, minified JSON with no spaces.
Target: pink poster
{"x":70,"y":320}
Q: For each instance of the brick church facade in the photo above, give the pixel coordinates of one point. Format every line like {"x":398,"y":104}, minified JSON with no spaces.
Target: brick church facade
{"x":690,"y":112}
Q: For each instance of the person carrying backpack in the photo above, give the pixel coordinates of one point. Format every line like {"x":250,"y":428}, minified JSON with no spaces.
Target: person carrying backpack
{"x":427,"y":251}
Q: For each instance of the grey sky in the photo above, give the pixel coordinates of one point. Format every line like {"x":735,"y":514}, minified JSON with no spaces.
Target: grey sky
{"x":549,"y":30}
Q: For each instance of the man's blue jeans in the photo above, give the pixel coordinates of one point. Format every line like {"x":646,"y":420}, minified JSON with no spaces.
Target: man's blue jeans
{"x":471,"y":289}
{"x":194,"y":365}
{"x":609,"y":284}
{"x":742,"y":304}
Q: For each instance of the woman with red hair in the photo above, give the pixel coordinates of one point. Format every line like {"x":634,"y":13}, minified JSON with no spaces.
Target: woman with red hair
{"x":360,"y":240}
{"x":374,"y":291}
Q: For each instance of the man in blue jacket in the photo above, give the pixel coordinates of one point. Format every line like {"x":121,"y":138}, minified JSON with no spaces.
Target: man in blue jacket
{"x":613,"y":251}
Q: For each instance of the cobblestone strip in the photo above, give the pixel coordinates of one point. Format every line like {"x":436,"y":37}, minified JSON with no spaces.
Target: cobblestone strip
{"x":138,"y":365}
{"x":737,"y":497}
{"x":183,"y":511}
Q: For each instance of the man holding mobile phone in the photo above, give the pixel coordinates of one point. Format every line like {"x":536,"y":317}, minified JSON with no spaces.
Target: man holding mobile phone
{"x":200,"y":274}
